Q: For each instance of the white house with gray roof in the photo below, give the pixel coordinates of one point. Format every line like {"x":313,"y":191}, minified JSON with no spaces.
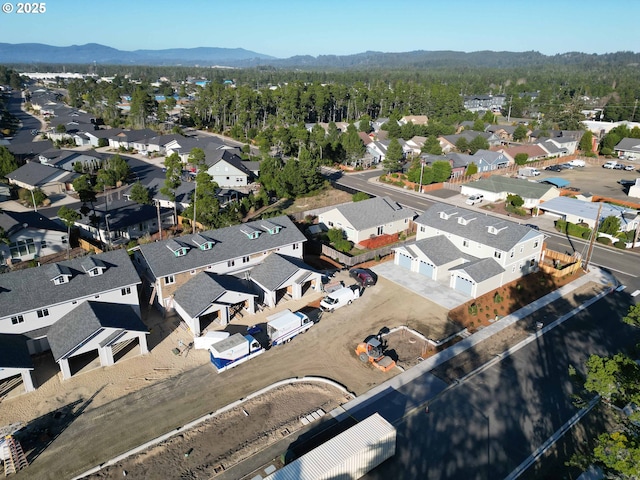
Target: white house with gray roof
{"x":368,"y":218}
{"x":167,"y":265}
{"x":578,"y":211}
{"x":497,"y":187}
{"x":469,"y":251}
{"x":33,"y":300}
{"x":629,"y":148}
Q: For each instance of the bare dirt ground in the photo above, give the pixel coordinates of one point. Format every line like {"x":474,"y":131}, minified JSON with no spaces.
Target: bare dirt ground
{"x":99,"y":414}
{"x":229,"y":438}
{"x":330,"y":196}
{"x":406,"y":348}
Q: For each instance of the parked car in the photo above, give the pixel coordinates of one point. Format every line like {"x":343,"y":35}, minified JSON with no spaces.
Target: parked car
{"x":619,"y":166}
{"x":611,"y":164}
{"x":629,"y":167}
{"x":473,"y":199}
{"x":577,"y":163}
{"x":554,"y":168}
{"x":531,"y":225}
{"x":567,"y":166}
{"x":363,"y":276}
{"x":626,"y":183}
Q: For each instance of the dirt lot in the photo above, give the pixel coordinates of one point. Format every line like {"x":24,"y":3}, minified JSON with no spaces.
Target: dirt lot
{"x":79,"y":423}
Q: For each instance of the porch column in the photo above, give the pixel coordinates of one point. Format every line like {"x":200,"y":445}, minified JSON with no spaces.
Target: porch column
{"x":224,"y":316}
{"x":250,"y":305}
{"x":142,"y":341}
{"x":64,"y":368}
{"x":27,"y":381}
{"x":194,"y":325}
{"x":106,"y":356}
{"x":296,"y":291}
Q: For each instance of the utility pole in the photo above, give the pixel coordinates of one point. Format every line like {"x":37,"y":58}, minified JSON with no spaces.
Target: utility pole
{"x":159,"y":219}
{"x":594,"y":235}
{"x":509,"y":114}
{"x":195,"y":197}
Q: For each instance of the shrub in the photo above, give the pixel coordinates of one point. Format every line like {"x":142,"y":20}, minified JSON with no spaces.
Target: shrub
{"x":497,"y":298}
{"x":343,"y":245}
{"x":620,"y":244}
{"x":586,"y":235}
{"x":604,"y":240}
{"x":473,"y":310}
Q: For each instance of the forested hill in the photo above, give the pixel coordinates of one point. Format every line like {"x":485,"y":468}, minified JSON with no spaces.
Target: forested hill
{"x":35,"y":53}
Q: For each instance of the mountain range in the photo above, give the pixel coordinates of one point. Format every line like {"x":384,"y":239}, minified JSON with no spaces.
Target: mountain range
{"x":93,"y":53}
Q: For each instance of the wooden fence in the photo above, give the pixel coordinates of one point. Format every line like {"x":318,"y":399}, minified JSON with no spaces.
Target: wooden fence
{"x":89,"y":247}
{"x":559,"y":264}
{"x":351,"y":261}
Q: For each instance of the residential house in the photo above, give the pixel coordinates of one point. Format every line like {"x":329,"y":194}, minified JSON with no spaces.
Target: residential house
{"x":120,"y":221}
{"x":15,"y":360}
{"x":563,"y":145}
{"x":67,"y":159}
{"x":471,"y":252}
{"x":378,"y":123}
{"x":415,"y":119}
{"x":368,"y":218}
{"x":29,"y":151}
{"x":167,"y":265}
{"x":504,"y":132}
{"x":415,"y":144}
{"x":487,"y":160}
{"x":448,"y":142}
{"x":98,"y":136}
{"x":34,"y":175}
{"x":628,"y":148}
{"x":459,"y":162}
{"x":126,"y":139}
{"x":581,"y":212}
{"x":496,"y":188}
{"x":533,"y":152}
{"x":227,"y":169}
{"x":74,"y":307}
{"x":31,"y":235}
{"x":478,"y":103}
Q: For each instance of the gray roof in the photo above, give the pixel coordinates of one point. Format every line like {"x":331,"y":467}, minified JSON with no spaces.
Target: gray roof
{"x":230,"y":243}
{"x":204,"y":289}
{"x":480,"y":270}
{"x":509,"y":233}
{"x":30,"y":289}
{"x":440,"y":250}
{"x":213,"y":157}
{"x":123,"y":214}
{"x":88,"y":318}
{"x":14,"y":352}
{"x":13,"y":222}
{"x":587,"y":210}
{"x":516,"y":186}
{"x":36,"y":174}
{"x":373,"y":212}
{"x":628,"y":144}
{"x":277,"y":269}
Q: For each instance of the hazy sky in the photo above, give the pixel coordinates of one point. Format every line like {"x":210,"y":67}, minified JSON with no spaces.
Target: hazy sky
{"x":283,"y":28}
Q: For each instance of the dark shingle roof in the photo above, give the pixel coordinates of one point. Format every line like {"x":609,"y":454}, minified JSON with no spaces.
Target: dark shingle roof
{"x":14,"y":352}
{"x":509,"y":235}
{"x":31,"y":289}
{"x":373,"y":212}
{"x":36,"y":174}
{"x":204,"y":289}
{"x":230,"y":243}
{"x":277,"y":269}
{"x":85,"y":320}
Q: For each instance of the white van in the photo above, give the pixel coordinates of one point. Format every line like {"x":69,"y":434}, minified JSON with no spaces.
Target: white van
{"x":577,"y":163}
{"x":611,"y":164}
{"x":340,"y":298}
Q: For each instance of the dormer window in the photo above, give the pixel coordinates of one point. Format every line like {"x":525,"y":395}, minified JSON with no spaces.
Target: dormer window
{"x":93,"y":266}
{"x":202,"y":242}
{"x":270,"y":227}
{"x":177,"y":249}
{"x":250,"y":232}
{"x":58,"y":274}
{"x":448,"y":215}
{"x":495,"y":230}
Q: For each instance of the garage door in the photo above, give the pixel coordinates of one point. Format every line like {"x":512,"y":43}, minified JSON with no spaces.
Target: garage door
{"x":404,"y":261}
{"x":425,"y":269}
{"x":463,"y":285}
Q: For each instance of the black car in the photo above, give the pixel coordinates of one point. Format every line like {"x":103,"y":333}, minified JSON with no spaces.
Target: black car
{"x":363,"y":276}
{"x":554,"y":168}
{"x":531,"y":225}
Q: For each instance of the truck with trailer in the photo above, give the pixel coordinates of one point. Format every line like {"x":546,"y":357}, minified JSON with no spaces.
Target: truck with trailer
{"x":340,"y":298}
{"x":283,"y":326}
{"x":350,"y":454}
{"x":234,"y":350}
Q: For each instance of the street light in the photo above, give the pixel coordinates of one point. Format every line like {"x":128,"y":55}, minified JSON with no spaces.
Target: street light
{"x":33,"y":197}
{"x":421,"y":170}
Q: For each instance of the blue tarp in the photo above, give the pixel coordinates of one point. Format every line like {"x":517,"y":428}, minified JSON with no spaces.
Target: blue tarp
{"x":556,"y":182}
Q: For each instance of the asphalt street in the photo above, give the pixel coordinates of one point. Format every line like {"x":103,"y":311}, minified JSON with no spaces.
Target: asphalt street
{"x":486,"y":426}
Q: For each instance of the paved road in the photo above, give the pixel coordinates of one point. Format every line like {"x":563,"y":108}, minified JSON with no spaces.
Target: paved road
{"x":486,"y":426}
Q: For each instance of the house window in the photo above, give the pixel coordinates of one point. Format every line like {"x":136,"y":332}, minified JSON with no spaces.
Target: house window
{"x":513,"y":269}
{"x":169,"y":280}
{"x":43,"y":244}
{"x":238,"y":179}
{"x":465,"y":243}
{"x":126,"y":291}
{"x":231,"y":263}
{"x":380,"y":229}
{"x":535,"y":244}
{"x":43,"y":313}
{"x":97,"y":296}
{"x":22,"y":247}
{"x":74,"y":302}
{"x":59,"y":280}
{"x":330,"y":224}
{"x":422,"y":229}
{"x":497,"y":254}
{"x":532,"y":263}
{"x":17,"y":319}
{"x":511,"y":253}
{"x":521,"y":248}
{"x":296,"y":246}
{"x":245,"y":259}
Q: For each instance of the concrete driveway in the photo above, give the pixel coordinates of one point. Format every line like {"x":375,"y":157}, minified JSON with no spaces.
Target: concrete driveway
{"x":436,"y":292}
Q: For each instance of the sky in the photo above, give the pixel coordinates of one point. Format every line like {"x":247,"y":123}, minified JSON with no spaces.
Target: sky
{"x":284,"y":28}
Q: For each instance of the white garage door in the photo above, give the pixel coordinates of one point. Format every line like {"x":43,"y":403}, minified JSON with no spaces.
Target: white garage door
{"x":425,"y":269}
{"x":463,"y":285}
{"x":404,"y":261}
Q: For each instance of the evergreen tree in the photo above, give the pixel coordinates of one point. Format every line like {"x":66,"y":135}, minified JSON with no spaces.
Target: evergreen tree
{"x":173,"y":180}
{"x":140,"y":194}
{"x":393,"y":157}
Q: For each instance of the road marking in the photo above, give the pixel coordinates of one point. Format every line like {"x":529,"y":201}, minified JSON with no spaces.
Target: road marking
{"x":636,"y":293}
